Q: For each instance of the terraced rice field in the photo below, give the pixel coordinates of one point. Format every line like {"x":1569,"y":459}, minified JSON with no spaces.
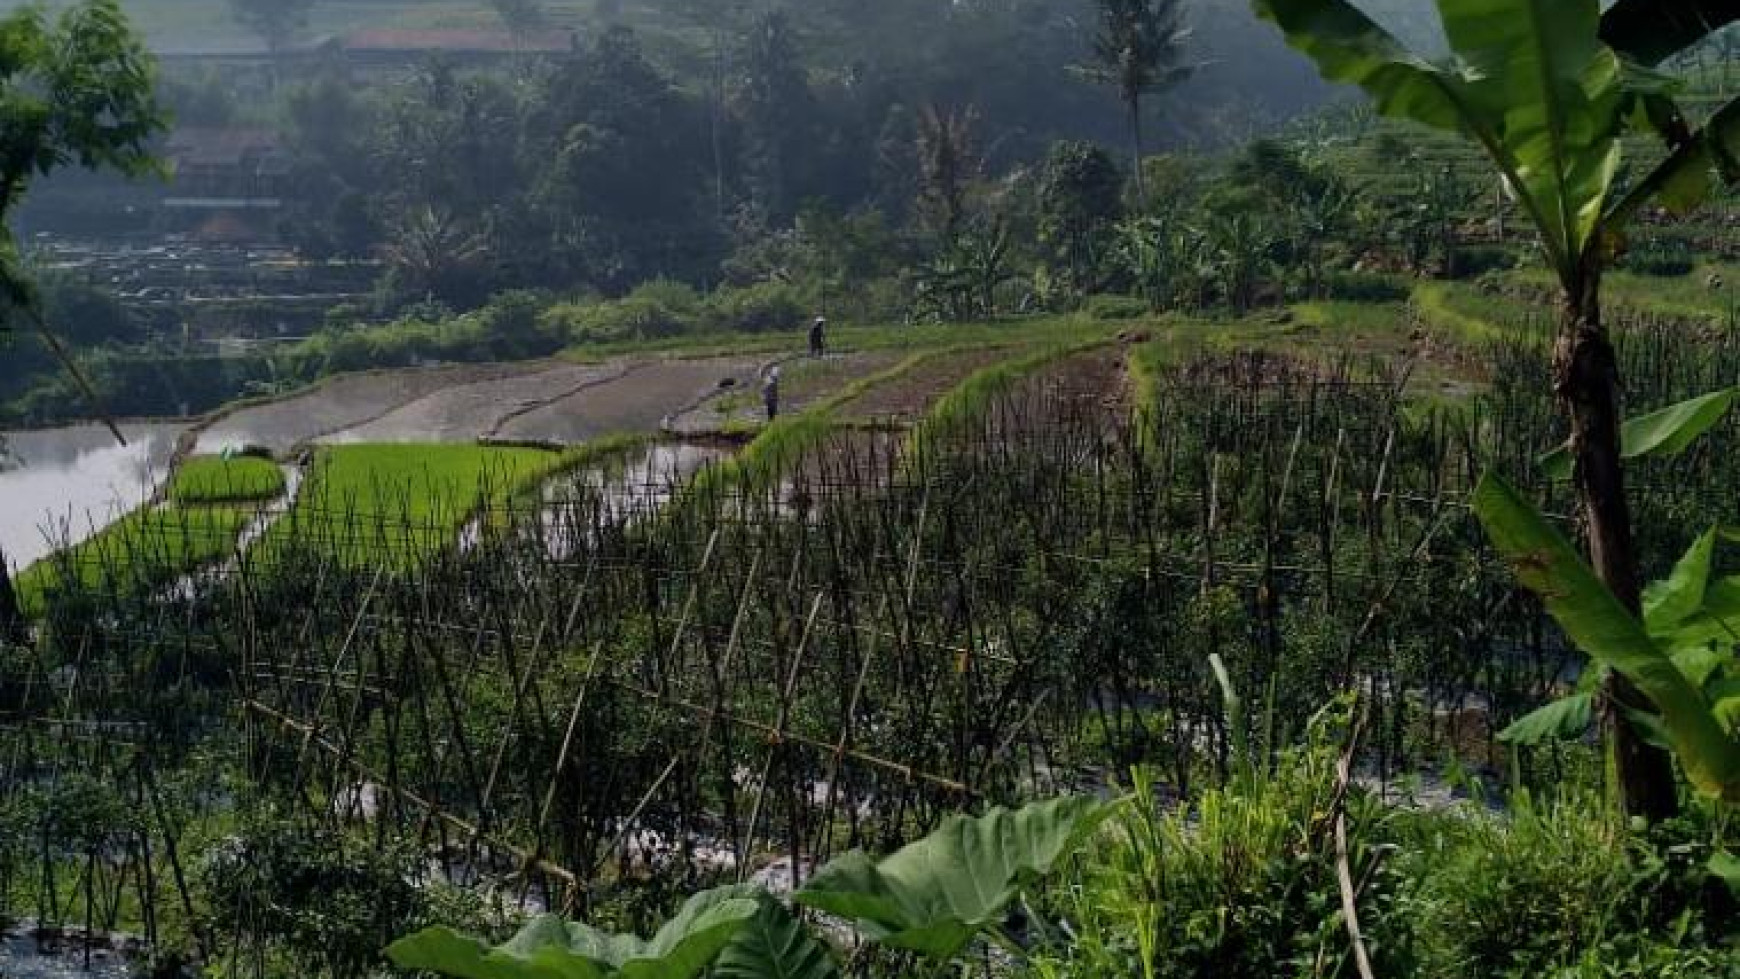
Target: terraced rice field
{"x":642,"y":399}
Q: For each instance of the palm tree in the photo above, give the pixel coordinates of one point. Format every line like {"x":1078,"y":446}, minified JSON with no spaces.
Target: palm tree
{"x":1139,"y":49}
{"x":1547,"y":88}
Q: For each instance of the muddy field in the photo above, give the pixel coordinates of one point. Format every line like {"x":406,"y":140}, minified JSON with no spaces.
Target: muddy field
{"x":803,"y":384}
{"x":344,"y":402}
{"x":643,"y":398}
{"x":468,"y":412}
{"x":903,"y":399}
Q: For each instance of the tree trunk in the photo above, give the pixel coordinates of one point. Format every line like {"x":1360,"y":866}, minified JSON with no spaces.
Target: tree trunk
{"x":1586,"y":379}
{"x":1136,"y":150}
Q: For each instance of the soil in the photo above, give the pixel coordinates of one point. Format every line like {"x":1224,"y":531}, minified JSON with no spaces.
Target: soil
{"x":803,"y":384}
{"x":641,"y":399}
{"x":905,"y":398}
{"x":467,"y":412}
{"x":345,"y":401}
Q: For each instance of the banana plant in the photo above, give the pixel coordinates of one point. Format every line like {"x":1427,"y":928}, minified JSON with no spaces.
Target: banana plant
{"x":1659,"y":434}
{"x":932,"y":897}
{"x":1679,"y":652}
{"x":1692,"y":619}
{"x":1547,"y":88}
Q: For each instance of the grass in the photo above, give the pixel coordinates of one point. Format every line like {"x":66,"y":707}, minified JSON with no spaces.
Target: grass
{"x":395,"y":506}
{"x":847,"y":339}
{"x":1467,"y":316}
{"x":151,"y":546}
{"x":216,"y":479}
{"x":1686,"y":297}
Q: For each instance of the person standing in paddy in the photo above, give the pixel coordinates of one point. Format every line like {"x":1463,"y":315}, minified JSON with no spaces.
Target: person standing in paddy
{"x":818,"y":337}
{"x":770,"y":392}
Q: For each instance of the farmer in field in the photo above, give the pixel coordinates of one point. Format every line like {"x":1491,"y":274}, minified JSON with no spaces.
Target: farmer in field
{"x":818,"y":337}
{"x":770,"y":392}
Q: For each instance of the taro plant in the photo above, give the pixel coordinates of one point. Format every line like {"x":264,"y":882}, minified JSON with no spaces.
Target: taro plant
{"x":933,"y":898}
{"x":1547,"y":88}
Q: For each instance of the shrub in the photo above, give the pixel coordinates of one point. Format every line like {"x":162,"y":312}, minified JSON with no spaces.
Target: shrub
{"x":1476,"y":260}
{"x":1665,"y":260}
{"x":618,"y":321}
{"x":1365,"y":287}
{"x":1116,"y":307}
{"x":758,"y":308}
{"x":673,"y":295}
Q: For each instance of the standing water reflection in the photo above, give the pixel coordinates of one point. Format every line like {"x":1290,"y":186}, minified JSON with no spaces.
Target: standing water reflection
{"x":58,"y":486}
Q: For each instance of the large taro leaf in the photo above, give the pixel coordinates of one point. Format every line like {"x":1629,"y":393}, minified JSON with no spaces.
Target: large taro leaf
{"x":935,"y":895}
{"x":1530,"y":82}
{"x":1601,"y":627}
{"x":549,"y":948}
{"x":775,"y":944}
{"x":1664,"y":434}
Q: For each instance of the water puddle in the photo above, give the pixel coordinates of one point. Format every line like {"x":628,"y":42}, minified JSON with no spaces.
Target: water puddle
{"x":61,"y":485}
{"x":578,"y":506}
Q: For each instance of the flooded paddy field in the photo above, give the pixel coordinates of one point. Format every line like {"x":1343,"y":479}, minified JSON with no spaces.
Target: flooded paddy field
{"x":61,"y":485}
{"x":465,"y":412}
{"x":642,"y":399}
{"x":343,"y":402}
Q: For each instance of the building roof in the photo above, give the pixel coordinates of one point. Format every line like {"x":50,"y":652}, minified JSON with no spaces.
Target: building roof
{"x":197,"y":146}
{"x":389,"y":41}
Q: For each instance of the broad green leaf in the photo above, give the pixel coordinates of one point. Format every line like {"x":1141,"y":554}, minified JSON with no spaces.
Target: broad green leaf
{"x":1538,"y":69}
{"x":549,"y":948}
{"x":1724,"y":694}
{"x":1652,"y":31}
{"x":1683,"y":180}
{"x":775,"y":945}
{"x":1724,"y":866}
{"x":1663,"y":433}
{"x":1669,"y":602}
{"x":935,"y":895}
{"x":1350,"y":47}
{"x":1562,"y":720}
{"x":539,"y":951}
{"x":1699,"y":664}
{"x":1602,"y":628}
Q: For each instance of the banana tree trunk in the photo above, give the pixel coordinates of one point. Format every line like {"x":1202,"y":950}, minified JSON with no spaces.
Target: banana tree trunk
{"x":1586,"y":379}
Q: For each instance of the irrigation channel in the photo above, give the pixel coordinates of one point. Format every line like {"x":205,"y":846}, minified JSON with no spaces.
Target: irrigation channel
{"x":799,"y":652}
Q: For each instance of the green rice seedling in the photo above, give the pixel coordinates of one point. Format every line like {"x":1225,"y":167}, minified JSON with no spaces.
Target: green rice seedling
{"x":147,"y":548}
{"x":225,"y":479}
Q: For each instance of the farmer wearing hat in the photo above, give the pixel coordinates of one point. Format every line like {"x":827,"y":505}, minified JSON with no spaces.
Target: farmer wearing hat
{"x":770,"y":392}
{"x":818,"y":338}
